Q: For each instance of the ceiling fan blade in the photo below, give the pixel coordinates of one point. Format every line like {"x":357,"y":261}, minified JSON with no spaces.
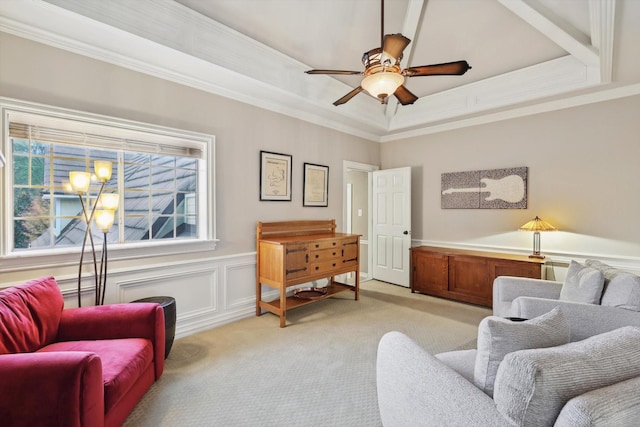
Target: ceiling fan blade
{"x":404,"y":95}
{"x":456,"y":68}
{"x":394,"y":44}
{"x":344,"y":72}
{"x":348,"y":96}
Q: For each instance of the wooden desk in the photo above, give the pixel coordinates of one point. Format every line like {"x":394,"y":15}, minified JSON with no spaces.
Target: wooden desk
{"x":290,"y":253}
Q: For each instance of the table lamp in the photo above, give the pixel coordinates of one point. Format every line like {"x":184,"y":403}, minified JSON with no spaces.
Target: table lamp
{"x":537,"y":225}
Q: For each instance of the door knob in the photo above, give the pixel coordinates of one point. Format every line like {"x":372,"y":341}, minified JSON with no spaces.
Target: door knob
{"x":405,"y":232}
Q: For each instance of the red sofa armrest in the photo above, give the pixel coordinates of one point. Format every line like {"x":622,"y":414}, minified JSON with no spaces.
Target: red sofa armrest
{"x":53,"y":389}
{"x":113,"y":321}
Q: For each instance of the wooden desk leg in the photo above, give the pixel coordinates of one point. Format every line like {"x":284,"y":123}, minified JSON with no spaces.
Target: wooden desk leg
{"x":283,"y":306}
{"x":258,"y":298}
{"x":357,"y":284}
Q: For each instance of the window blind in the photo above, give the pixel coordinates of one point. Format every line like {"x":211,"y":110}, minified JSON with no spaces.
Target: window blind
{"x":111,"y":138}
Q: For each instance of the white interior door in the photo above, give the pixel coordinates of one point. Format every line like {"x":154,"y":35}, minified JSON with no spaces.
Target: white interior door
{"x":392,"y":225}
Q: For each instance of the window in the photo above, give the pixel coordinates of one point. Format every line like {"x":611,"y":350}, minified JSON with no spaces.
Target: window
{"x":163,"y":179}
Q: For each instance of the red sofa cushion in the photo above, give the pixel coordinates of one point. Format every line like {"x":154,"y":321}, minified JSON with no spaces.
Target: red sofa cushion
{"x":123,"y":362}
{"x":29,"y":315}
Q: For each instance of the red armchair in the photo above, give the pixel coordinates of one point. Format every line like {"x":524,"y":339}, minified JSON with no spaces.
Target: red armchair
{"x":77,"y":367}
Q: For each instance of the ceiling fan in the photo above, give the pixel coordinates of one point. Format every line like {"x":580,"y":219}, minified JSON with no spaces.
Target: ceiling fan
{"x":383,"y":74}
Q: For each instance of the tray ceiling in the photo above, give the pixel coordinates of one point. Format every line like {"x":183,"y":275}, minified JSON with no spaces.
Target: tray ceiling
{"x":256,"y":51}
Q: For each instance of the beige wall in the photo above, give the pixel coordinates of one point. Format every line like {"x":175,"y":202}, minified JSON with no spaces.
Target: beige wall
{"x":34,"y":72}
{"x":584,"y":177}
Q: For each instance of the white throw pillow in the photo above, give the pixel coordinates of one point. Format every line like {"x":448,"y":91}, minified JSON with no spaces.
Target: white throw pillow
{"x":498,"y":336}
{"x":582,"y":284}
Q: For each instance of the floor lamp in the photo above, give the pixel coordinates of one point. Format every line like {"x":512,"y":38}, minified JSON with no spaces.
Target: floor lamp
{"x":80,"y":182}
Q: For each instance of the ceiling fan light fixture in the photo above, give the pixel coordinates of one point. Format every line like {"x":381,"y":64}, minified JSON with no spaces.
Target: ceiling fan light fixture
{"x":382,"y":84}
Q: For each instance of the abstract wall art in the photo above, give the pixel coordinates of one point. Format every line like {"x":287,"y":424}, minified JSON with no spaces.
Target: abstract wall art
{"x":485,"y":189}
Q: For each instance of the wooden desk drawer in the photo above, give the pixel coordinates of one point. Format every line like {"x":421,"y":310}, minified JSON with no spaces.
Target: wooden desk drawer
{"x":324,"y":255}
{"x":325,"y":266}
{"x":325,"y":244}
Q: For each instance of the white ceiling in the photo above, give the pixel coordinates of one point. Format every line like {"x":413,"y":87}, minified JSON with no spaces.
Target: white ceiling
{"x":522,"y":51}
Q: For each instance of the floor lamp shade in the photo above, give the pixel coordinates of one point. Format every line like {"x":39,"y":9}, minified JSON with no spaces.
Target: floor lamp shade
{"x":103,"y":169}
{"x":104,"y":219}
{"x":80,"y":181}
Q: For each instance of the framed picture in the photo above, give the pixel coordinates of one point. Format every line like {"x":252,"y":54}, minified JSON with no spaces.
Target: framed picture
{"x":275,"y":176}
{"x":316,"y":185}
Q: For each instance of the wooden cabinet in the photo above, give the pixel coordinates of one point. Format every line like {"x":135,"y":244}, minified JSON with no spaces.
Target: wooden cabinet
{"x":290,"y":253}
{"x":465,"y":275}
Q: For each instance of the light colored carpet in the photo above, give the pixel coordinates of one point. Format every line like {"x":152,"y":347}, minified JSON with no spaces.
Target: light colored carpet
{"x":318,"y":371}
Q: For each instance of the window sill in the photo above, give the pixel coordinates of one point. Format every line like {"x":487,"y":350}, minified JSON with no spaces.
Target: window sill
{"x":24,"y":261}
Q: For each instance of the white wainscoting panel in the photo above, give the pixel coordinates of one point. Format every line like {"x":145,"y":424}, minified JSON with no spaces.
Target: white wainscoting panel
{"x":208,"y":292}
{"x":240,"y":285}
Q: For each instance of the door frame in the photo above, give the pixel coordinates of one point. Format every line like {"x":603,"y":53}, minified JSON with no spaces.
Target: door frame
{"x":363,"y":167}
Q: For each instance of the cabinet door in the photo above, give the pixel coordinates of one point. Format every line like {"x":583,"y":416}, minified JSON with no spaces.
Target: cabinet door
{"x":470,"y":276}
{"x":296,"y":260}
{"x":429,"y":272}
{"x":349,"y":251}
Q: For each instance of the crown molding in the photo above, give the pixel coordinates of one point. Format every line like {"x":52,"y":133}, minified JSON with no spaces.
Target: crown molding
{"x":607,"y":94}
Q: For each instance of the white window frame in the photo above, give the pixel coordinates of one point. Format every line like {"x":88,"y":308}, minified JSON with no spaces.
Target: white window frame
{"x":16,"y":110}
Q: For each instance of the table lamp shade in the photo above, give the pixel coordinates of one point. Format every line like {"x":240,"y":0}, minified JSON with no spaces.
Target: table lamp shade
{"x":537,"y":224}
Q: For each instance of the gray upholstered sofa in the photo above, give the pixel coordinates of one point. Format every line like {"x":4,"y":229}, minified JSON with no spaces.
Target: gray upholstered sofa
{"x":540,"y":387}
{"x":551,"y":370}
{"x":589,"y":310}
